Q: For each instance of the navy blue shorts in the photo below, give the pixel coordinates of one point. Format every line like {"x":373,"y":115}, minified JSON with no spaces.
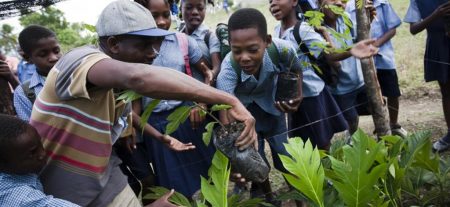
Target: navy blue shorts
{"x":317,"y":119}
{"x":353,"y":104}
{"x":388,"y":82}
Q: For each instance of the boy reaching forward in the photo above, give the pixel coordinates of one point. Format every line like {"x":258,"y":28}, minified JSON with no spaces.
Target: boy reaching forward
{"x":77,"y":115}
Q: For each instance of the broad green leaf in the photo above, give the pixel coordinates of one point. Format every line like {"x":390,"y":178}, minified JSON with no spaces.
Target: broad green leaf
{"x":356,"y":175}
{"x":254,"y":202}
{"x":219,"y":107}
{"x":208,"y":133}
{"x":176,"y":118}
{"x":359,"y":4}
{"x":177,"y":198}
{"x":128,"y":96}
{"x":215,"y":191}
{"x":307,"y":171}
{"x":147,"y":112}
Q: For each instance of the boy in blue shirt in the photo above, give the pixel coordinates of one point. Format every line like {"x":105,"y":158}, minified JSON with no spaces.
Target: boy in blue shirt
{"x":256,"y":86}
{"x":383,"y":29}
{"x":41,"y":48}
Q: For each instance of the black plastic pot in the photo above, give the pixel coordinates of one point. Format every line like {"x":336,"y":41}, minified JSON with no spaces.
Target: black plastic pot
{"x":287,"y":86}
{"x":248,"y":162}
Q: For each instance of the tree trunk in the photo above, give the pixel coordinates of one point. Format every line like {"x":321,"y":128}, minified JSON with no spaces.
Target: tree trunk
{"x":6,"y":98}
{"x":375,"y":98}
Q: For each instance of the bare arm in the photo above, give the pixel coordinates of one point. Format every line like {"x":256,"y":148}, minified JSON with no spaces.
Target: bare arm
{"x":443,"y":10}
{"x":386,"y":37}
{"x":162,"y":83}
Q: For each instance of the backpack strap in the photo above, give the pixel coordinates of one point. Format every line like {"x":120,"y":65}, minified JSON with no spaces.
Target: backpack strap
{"x":28,"y":91}
{"x":184,"y":44}
{"x":273,"y":54}
{"x":206,"y":38}
{"x":302,"y":45}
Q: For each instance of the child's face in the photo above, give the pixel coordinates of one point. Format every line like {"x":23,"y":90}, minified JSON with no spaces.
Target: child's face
{"x":248,"y":49}
{"x":194,"y":12}
{"x":282,"y":8}
{"x":45,"y":54}
{"x":161,"y":13}
{"x":328,"y":13}
{"x":26,"y":154}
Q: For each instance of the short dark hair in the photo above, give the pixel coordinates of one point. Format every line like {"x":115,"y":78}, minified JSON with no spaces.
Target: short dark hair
{"x":12,"y":127}
{"x":248,"y":18}
{"x":29,"y":36}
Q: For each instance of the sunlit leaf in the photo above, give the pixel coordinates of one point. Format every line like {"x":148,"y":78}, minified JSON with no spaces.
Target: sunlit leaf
{"x":176,"y":118}
{"x":208,"y":133}
{"x":128,"y":96}
{"x":147,"y":112}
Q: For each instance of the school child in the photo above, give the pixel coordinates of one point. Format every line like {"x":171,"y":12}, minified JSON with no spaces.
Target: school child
{"x":194,"y":14}
{"x":77,"y":115}
{"x":318,"y":116}
{"x":349,"y":92}
{"x":41,"y":48}
{"x":178,"y":170}
{"x":22,"y":157}
{"x":25,"y":69}
{"x":383,"y":29}
{"x":256,"y":85}
{"x":432,"y":15}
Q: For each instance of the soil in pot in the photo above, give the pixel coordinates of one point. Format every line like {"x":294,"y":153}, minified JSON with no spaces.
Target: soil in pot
{"x":287,"y":86}
{"x":248,"y":162}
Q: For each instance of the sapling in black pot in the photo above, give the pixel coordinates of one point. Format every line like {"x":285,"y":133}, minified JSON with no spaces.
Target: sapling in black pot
{"x":288,"y":83}
{"x":247,"y":162}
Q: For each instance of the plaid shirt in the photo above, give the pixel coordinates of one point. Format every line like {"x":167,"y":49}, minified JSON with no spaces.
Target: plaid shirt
{"x":26,"y":190}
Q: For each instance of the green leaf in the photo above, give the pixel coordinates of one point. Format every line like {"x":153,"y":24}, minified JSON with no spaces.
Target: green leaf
{"x":219,"y":107}
{"x":307,"y":171}
{"x":359,"y":4}
{"x":147,"y":112}
{"x":315,"y":18}
{"x":128,"y":96}
{"x":176,"y":118}
{"x":208,"y":133}
{"x":356,"y":175}
{"x":215,"y":191}
{"x":90,"y":28}
{"x":177,"y":198}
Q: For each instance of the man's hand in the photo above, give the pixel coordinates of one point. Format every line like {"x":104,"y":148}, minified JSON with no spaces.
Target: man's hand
{"x":371,"y":10}
{"x":163,"y":201}
{"x":289,"y":106}
{"x":364,"y":49}
{"x":175,"y":144}
{"x":195,"y":117}
{"x":443,"y":10}
{"x":248,"y":137}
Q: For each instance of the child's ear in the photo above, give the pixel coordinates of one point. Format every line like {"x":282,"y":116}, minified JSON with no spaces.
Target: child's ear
{"x":113,"y":44}
{"x":268,"y":40}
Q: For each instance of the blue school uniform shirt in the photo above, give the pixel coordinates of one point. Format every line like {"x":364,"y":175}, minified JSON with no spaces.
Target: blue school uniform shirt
{"x":25,"y":70}
{"x":413,"y":13}
{"x":261,"y":90}
{"x":22,"y":104}
{"x":171,"y":56}
{"x":213,"y":44}
{"x":350,"y":76}
{"x":26,"y":190}
{"x":312,"y":84}
{"x":386,"y":20}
